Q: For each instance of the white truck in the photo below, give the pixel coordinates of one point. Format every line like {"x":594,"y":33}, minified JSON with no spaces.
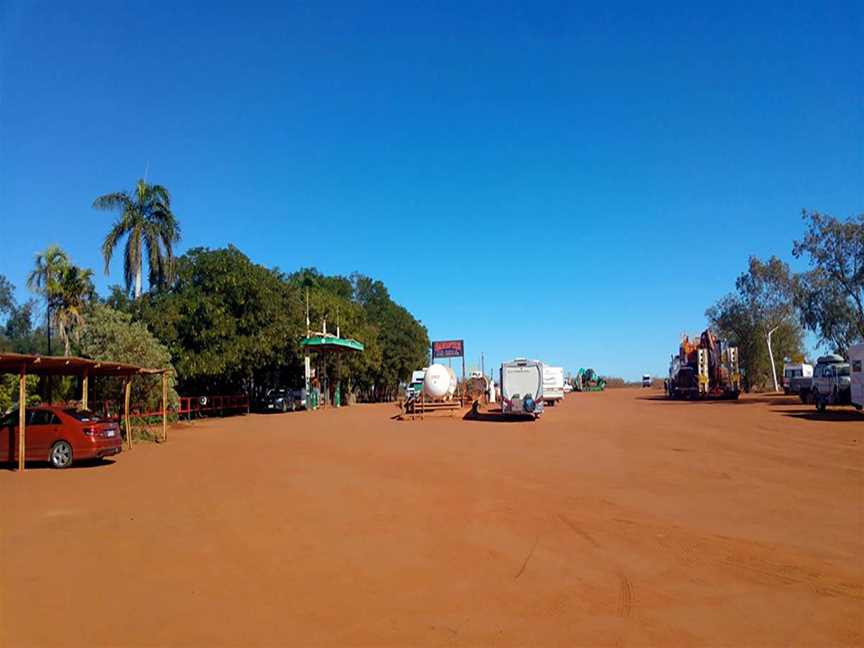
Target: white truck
{"x":416,"y":385}
{"x":856,"y":360}
{"x":793,"y":375}
{"x":521,"y":384}
{"x":553,"y":384}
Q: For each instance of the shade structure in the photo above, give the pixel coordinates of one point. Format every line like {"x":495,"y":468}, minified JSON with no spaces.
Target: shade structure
{"x":40,"y":365}
{"x":68,"y":366}
{"x":327,"y":344}
{"x":331,"y":343}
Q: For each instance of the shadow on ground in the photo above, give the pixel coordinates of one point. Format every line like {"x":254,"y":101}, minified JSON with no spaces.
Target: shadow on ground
{"x":44,"y":465}
{"x":494,"y":416}
{"x":830,"y":415}
{"x":764,"y":400}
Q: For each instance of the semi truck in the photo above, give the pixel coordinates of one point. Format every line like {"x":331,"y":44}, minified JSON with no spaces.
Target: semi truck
{"x":521,"y":383}
{"x":704,"y":368}
{"x":553,"y":384}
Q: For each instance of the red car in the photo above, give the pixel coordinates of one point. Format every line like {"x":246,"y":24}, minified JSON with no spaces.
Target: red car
{"x":59,"y":435}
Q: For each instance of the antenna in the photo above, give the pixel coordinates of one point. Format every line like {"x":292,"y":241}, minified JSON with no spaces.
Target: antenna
{"x":308,"y":324}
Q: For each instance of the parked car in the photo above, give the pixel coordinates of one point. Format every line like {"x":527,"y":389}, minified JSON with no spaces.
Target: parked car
{"x":832,"y":385}
{"x":282,"y":399}
{"x":59,"y":435}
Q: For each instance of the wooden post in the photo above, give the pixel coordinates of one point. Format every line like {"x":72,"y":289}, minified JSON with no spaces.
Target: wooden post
{"x":127,"y":388}
{"x":164,"y":405}
{"x":85,"y":383}
{"x":22,"y":417}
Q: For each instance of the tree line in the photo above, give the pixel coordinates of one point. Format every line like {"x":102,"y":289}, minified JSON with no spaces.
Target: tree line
{"x":224,"y":323}
{"x":826,"y":300}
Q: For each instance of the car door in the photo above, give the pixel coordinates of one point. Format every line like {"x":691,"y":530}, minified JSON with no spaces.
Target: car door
{"x":8,"y":430}
{"x":41,"y":432}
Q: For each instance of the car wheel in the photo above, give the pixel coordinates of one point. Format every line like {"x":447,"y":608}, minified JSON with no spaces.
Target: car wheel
{"x":61,"y":455}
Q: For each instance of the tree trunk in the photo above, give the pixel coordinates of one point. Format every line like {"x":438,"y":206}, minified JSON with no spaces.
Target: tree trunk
{"x":48,"y":331}
{"x":138,"y":282}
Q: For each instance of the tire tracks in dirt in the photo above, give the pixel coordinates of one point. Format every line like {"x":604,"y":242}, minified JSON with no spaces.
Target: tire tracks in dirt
{"x":626,"y":598}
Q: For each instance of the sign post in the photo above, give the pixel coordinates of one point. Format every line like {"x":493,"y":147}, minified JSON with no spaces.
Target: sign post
{"x":451,"y":349}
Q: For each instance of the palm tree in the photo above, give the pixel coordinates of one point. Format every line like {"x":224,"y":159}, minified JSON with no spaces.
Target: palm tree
{"x":147,"y":221}
{"x":50,"y":266}
{"x":73,"y":292}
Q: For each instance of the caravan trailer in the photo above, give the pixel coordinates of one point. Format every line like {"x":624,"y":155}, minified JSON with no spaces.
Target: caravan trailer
{"x":856,"y":360}
{"x":553,"y":384}
{"x":522,"y":388}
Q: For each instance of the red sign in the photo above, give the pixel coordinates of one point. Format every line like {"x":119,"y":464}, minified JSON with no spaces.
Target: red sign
{"x":448,"y":349}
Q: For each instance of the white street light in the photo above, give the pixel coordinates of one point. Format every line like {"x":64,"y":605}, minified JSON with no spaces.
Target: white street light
{"x":771,"y":355}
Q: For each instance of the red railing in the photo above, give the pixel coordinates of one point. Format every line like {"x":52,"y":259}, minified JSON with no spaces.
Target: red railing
{"x":189,"y":406}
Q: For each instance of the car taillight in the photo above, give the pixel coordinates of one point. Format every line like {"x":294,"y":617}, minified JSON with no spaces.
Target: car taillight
{"x":89,"y":431}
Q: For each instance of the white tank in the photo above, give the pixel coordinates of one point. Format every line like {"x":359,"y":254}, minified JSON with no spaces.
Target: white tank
{"x":454,"y":382}
{"x":436,"y":384}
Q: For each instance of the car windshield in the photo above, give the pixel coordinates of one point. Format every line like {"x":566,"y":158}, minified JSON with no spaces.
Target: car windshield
{"x":85,"y":416}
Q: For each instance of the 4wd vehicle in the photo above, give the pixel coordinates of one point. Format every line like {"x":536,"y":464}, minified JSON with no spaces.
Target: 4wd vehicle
{"x":280,"y":399}
{"x":832,"y":385}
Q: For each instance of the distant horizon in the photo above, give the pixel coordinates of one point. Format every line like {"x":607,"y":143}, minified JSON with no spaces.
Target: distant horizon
{"x":572,"y":184}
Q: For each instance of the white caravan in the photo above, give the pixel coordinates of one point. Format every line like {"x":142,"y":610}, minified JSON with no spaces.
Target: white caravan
{"x":522,"y":388}
{"x":793,"y":375}
{"x":553,"y":384}
{"x":856,"y":360}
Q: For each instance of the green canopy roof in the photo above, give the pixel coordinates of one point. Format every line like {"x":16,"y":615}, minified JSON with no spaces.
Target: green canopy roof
{"x":328,"y":343}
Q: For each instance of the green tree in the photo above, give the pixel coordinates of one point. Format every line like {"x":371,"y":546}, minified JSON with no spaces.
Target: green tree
{"x":762,"y":301}
{"x":7,"y":296}
{"x":112,"y":335}
{"x":147,"y":222}
{"x":831,"y":295}
{"x":44,"y":278}
{"x":9,"y":391}
{"x":17,"y":333}
{"x":404,"y":341}
{"x":71,"y":294}
{"x":224,"y":319}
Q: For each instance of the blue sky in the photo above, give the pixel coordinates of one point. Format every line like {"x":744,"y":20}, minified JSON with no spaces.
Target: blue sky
{"x":573,"y":183}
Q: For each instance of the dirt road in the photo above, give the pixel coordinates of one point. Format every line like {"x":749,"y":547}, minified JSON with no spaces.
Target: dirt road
{"x":617,"y":519}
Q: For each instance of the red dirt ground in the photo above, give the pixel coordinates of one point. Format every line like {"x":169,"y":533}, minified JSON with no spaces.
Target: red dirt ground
{"x":618,"y":518}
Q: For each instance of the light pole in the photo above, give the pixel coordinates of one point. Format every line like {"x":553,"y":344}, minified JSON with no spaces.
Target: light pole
{"x":771,"y":355}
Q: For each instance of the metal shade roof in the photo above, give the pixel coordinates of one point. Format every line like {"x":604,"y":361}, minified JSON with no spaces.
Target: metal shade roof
{"x":332,"y":343}
{"x":67,"y":366}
